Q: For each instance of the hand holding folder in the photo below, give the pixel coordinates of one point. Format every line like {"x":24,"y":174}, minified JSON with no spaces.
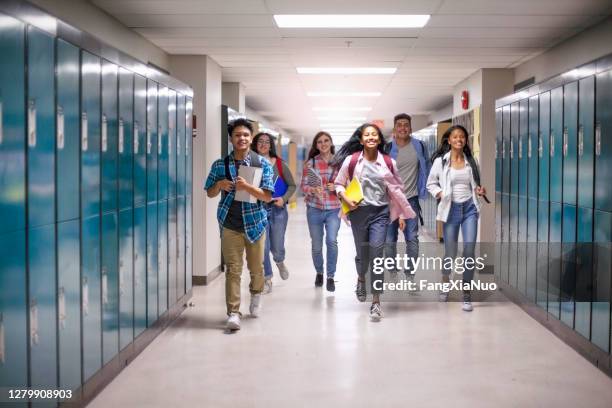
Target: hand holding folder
{"x":353,"y":192}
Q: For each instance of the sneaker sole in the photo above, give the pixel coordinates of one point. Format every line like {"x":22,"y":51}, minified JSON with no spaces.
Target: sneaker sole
{"x":233,"y":326}
{"x":375,"y":318}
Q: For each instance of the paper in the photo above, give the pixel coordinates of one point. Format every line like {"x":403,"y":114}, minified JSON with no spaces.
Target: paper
{"x":352,"y":192}
{"x":251,"y":175}
{"x":313,"y":179}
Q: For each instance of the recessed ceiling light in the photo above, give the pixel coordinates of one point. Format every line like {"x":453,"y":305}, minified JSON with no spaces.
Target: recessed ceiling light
{"x":334,"y":109}
{"x":344,"y":94}
{"x":351,"y":20}
{"x":346,"y":70}
{"x":341,"y":118}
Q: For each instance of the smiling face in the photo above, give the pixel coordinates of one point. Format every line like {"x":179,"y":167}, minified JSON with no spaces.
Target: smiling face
{"x":324,"y":144}
{"x":263,"y":145}
{"x":457,"y":139}
{"x":370,"y":138}
{"x":241,"y":138}
{"x":402,"y":129}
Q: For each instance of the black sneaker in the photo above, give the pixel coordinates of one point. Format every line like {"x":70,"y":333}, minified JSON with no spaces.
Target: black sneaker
{"x":319,"y":280}
{"x":360,"y":291}
{"x":331,"y":285}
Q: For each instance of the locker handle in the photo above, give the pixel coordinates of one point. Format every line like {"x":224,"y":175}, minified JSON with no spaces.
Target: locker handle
{"x":104,"y":285}
{"x":598,"y":139}
{"x":520,"y":150}
{"x":565,"y":141}
{"x":2,"y":344}
{"x":60,"y":128}
{"x":104,"y":133}
{"x":159,"y":140}
{"x":85,"y":297}
{"x":512,"y":149}
{"x":32,"y":123}
{"x":34,"y":338}
{"x":135,"y":137}
{"x":61,"y":299}
{"x":540,"y":144}
{"x":84,"y":136}
{"x":121,"y":290}
{"x":121,"y":136}
{"x":1,"y":124}
{"x":149,"y":143}
{"x":170,"y":142}
{"x":529,"y":146}
{"x":580,"y":140}
{"x":503,"y":149}
{"x":552,"y":144}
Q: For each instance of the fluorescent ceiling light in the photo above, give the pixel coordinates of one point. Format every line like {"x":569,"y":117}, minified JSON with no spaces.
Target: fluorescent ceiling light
{"x":351,"y":20}
{"x":346,"y":70}
{"x":344,"y":94}
{"x":333,"y":125}
{"x":342,"y":118}
{"x":333,"y":109}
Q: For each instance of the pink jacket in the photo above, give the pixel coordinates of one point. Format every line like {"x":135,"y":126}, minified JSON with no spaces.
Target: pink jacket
{"x":398,"y":204}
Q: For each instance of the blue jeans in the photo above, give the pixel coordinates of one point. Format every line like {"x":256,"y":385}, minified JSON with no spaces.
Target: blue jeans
{"x":275,"y":237}
{"x":411,"y":235}
{"x":465,"y":216}
{"x":318,"y":220}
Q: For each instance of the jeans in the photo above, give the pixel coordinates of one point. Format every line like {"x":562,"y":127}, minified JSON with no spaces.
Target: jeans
{"x":465,"y":216}
{"x":369,"y":224}
{"x":317,"y":221}
{"x":411,"y":235}
{"x":275,"y":237}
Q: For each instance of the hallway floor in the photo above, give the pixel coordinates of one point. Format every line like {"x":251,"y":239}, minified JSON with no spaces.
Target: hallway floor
{"x":311,"y":348}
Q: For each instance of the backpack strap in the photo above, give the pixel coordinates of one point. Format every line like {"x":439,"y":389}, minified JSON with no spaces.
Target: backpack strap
{"x":255,"y":161}
{"x":228,"y":175}
{"x":388,"y":162}
{"x":352,"y":164}
{"x":279,"y":167}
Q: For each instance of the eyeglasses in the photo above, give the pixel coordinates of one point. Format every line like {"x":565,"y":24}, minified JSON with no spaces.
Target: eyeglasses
{"x":263,"y":142}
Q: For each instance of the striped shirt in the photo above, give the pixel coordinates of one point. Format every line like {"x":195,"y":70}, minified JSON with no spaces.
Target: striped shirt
{"x":319,"y":175}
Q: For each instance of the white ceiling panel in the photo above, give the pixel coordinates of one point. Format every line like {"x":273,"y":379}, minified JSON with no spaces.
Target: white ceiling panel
{"x":516,"y":21}
{"x":527,"y":7}
{"x":484,"y":42}
{"x":182,"y":6}
{"x":353,"y":6}
{"x":348,"y":43}
{"x":495,"y":32}
{"x":204,"y":32}
{"x":196,"y":20}
{"x":220,"y":42}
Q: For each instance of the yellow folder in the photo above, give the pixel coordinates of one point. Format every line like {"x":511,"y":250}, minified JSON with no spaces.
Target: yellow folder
{"x":353,"y":192}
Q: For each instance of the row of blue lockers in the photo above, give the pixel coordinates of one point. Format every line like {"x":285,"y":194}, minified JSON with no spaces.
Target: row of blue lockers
{"x":95,"y":207}
{"x":554,"y":201}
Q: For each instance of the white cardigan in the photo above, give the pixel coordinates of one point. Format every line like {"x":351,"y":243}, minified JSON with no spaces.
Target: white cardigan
{"x":439,"y":181}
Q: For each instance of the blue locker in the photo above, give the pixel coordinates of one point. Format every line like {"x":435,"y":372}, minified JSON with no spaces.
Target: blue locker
{"x":140,"y":270}
{"x":12,"y":127}
{"x":90,"y":296}
{"x":603,"y":147}
{"x":584,"y":271}
{"x":180,"y":146}
{"x":514,"y":195}
{"x":125,"y":140}
{"x":532,"y":147}
{"x":544,"y":137}
{"x":568,"y":265}
{"x":110,"y":286}
{"x":570,"y":143}
{"x":67,"y":134}
{"x":126,"y":278}
{"x":523,"y":149}
{"x":69,"y":302}
{"x":109,"y":137}
{"x":139,"y":145}
{"x":152,"y":260}
{"x":542,"y":264}
{"x":556,"y":145}
{"x":42,"y":307}
{"x":181,"y":188}
{"x":13,"y":310}
{"x":172,"y":251}
{"x":152,"y":142}
{"x":181,"y":241}
{"x":188,"y":244}
{"x":532,"y":249}
{"x":41,"y":128}
{"x":586,"y":139}
{"x":172,"y":143}
{"x":600,"y":321}
{"x":505,"y":205}
{"x":162,"y":150}
{"x":532,"y":207}
{"x":554,"y":258}
{"x":90,"y":135}
{"x":188,"y":192}
{"x":162,"y":254}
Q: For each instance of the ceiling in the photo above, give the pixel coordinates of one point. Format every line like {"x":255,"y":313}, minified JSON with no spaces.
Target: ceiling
{"x":461,"y":37}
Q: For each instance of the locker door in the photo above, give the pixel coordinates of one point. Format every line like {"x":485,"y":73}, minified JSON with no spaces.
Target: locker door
{"x":67,"y":134}
{"x":600,"y":322}
{"x":162,"y":253}
{"x":126,"y":217}
{"x":514,"y":195}
{"x":151,"y":142}
{"x":109,"y":137}
{"x":544,"y":137}
{"x":543,"y":248}
{"x":556,"y":145}
{"x":140,"y":270}
{"x":586,"y":138}
{"x":13,"y":309}
{"x":505,"y":207}
{"x":532,"y":249}
{"x":188,"y":192}
{"x":13,"y":290}
{"x":570,"y":143}
{"x":41,"y":127}
{"x":584,"y":271}
{"x":42,"y":301}
{"x":152,"y":197}
{"x":532,"y":208}
{"x":523,"y":162}
{"x":139,"y":132}
{"x":180,"y":162}
{"x":163,"y":200}
{"x":110,"y":286}
{"x":603,"y":145}
{"x":162,"y":150}
{"x":69,"y":306}
{"x":568,"y":271}
{"x":172,"y":252}
{"x":90,"y":296}
{"x":188,"y":244}
{"x":554,"y":259}
{"x":172,"y":144}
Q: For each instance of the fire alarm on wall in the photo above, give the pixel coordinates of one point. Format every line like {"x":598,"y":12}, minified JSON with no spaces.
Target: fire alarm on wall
{"x":465,"y":100}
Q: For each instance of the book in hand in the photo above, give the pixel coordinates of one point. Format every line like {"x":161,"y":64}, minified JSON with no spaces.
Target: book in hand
{"x":313,"y":179}
{"x":251,"y":175}
{"x":352,"y":192}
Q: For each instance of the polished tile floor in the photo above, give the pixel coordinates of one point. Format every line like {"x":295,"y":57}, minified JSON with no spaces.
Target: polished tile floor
{"x":311,"y":348}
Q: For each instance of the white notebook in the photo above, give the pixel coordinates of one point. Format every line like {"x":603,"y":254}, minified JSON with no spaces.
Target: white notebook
{"x":252,"y":175}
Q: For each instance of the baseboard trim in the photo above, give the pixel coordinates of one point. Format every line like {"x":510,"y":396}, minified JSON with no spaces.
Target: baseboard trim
{"x":581,"y":345}
{"x":199,"y":280}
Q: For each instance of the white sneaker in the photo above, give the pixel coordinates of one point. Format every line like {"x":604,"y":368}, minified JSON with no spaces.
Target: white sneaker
{"x":376,"y":312}
{"x":255,"y":305}
{"x":267,"y":286}
{"x":282,"y":270}
{"x":233,"y":321}
{"x":467,"y":306}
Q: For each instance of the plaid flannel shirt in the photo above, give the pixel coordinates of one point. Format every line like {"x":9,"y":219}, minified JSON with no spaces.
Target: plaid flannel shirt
{"x":329,"y":199}
{"x":254,"y":216}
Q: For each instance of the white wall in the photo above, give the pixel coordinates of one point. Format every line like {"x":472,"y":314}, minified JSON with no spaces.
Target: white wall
{"x":442,"y":114}
{"x":588,"y":45}
{"x":89,"y":18}
{"x":233,"y":95}
{"x":472,"y":84}
{"x":203,"y":74}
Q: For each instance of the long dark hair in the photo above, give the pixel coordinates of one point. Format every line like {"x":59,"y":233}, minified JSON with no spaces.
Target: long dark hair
{"x":445,"y":145}
{"x":272,"y":144}
{"x":314,"y":150}
{"x":354,"y":145}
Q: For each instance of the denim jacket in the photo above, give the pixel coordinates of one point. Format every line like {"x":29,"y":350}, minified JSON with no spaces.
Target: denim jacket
{"x":421,"y":151}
